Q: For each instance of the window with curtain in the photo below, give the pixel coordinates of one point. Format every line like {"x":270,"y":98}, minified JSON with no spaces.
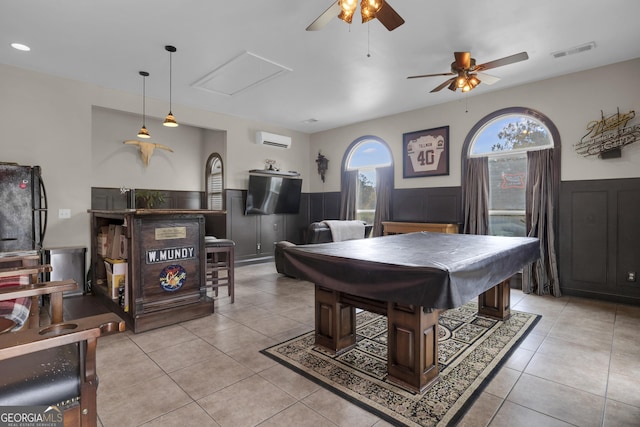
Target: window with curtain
{"x":505,"y":141}
{"x":365,"y":155}
{"x":511,"y":186}
{"x":214,"y":182}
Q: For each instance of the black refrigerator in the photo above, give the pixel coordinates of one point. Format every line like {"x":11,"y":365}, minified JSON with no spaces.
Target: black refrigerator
{"x":23,"y":209}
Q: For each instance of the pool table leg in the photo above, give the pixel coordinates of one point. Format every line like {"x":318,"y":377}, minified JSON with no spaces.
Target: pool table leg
{"x":496,"y":302}
{"x":412,"y":355}
{"x":335,"y":321}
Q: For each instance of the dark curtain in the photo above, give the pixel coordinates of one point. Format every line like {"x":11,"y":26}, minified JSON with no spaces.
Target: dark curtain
{"x":476,"y":196}
{"x":349,"y":186}
{"x":384,"y":187}
{"x":542,"y":276}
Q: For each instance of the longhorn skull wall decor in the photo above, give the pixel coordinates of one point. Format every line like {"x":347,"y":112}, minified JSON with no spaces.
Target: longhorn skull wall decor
{"x":146,"y":149}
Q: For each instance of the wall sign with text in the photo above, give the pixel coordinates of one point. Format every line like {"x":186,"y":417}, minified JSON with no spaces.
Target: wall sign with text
{"x":606,"y":137}
{"x":425,"y":153}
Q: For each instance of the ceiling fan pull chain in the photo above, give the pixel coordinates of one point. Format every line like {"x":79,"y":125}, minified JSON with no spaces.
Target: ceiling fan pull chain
{"x":368,"y":40}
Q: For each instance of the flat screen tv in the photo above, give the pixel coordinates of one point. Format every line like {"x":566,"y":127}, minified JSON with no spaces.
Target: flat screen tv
{"x":268,"y":195}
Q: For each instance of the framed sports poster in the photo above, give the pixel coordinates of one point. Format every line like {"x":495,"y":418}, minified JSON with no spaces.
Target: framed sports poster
{"x":425,"y":153}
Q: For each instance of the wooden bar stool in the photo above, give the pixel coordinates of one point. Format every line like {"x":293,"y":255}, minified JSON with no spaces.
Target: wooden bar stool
{"x":219,"y":264}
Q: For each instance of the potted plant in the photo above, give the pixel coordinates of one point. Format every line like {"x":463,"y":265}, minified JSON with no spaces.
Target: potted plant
{"x":148,"y":199}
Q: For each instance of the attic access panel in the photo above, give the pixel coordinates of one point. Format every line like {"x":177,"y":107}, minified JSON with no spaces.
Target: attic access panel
{"x":239,"y":74}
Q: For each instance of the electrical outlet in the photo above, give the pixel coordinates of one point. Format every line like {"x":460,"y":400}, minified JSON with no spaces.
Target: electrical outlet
{"x":631,"y":276}
{"x":64,"y":213}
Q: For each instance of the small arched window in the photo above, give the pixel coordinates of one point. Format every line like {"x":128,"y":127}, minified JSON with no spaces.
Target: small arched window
{"x":214,"y":182}
{"x":505,"y":137}
{"x":365,"y":155}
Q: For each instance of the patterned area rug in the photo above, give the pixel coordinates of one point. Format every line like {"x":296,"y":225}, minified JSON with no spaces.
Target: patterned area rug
{"x":471,"y":349}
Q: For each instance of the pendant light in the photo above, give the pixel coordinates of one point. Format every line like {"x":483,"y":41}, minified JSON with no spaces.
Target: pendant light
{"x":143,"y":133}
{"x":170,"y":121}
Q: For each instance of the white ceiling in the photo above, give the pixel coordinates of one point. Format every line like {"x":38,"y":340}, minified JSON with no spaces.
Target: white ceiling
{"x":331,"y":79}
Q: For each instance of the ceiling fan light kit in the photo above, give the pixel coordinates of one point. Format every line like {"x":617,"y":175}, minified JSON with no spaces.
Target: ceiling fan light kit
{"x":466,"y":82}
{"x":473,"y":81}
{"x":347,"y":10}
{"x":369,"y":9}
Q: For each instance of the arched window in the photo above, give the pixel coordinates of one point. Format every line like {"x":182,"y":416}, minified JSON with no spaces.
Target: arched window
{"x":511,"y":181}
{"x":365,"y":155}
{"x":504,"y":138}
{"x":214,"y":182}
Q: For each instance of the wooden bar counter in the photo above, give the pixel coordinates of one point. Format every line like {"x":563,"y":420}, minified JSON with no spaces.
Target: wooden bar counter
{"x":389,"y":227}
{"x":164,"y":252}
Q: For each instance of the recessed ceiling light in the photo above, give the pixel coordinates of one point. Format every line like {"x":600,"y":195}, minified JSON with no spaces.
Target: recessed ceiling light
{"x":309,"y":121}
{"x":20,"y":46}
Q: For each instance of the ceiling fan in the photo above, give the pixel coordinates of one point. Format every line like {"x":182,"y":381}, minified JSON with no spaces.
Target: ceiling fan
{"x":466,"y":71}
{"x":370,"y":9}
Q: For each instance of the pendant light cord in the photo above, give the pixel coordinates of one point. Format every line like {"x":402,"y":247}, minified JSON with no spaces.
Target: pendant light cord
{"x":170,"y":77}
{"x":170,"y":121}
{"x":144,"y":95}
{"x":144,"y":133}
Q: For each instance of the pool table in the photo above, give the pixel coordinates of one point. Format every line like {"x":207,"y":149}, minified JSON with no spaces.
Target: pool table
{"x":409,"y":278}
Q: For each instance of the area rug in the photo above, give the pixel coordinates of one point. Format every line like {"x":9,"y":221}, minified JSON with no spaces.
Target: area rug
{"x":471,"y":350}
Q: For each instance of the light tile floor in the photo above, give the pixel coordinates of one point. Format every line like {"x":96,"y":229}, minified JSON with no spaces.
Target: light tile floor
{"x":579,"y":367}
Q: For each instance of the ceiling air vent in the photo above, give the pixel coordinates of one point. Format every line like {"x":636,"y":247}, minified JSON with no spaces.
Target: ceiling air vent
{"x":273,"y":140}
{"x":578,"y":49}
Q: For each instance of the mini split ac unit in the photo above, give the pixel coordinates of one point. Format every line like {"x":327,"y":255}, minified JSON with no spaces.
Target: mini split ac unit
{"x":273,"y":140}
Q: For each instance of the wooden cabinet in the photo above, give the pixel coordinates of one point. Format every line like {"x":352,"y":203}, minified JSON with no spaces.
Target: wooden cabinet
{"x":165,"y":266}
{"x":412,"y":227}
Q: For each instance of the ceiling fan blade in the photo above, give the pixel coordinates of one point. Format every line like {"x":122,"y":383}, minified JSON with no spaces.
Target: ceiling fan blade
{"x":488,"y":78}
{"x":522,"y":56}
{"x":463,"y":60}
{"x":389,"y":17}
{"x":443,"y":85}
{"x":327,"y":15}
{"x":430,"y":75}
